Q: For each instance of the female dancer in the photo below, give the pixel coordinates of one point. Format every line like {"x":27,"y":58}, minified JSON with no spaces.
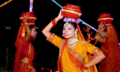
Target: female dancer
{"x":110,"y":45}
{"x":25,"y":50}
{"x":73,"y":55}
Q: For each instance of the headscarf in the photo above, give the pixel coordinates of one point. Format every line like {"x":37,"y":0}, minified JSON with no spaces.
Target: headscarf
{"x":20,"y":36}
{"x":112,"y":60}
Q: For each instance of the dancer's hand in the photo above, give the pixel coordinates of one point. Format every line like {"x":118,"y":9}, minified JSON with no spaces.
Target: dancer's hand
{"x":85,"y":70}
{"x":60,"y":15}
{"x":26,"y":17}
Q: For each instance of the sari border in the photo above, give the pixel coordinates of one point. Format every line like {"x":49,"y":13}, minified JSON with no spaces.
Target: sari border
{"x":90,"y":57}
{"x":76,"y":59}
{"x":63,"y":44}
{"x":76,"y":55}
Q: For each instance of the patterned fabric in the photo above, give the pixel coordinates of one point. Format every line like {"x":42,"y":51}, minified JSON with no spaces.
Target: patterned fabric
{"x":111,"y":49}
{"x":80,"y":50}
{"x":26,"y":55}
{"x":22,"y":51}
{"x":18,"y":44}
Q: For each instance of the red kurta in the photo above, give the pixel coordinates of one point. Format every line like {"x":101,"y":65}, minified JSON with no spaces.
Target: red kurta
{"x":27,"y":52}
{"x":26,"y":57}
{"x":24,"y":54}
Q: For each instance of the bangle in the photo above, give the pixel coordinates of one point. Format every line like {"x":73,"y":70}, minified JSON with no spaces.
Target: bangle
{"x":84,"y":67}
{"x":100,"y":31}
{"x":53,"y":22}
{"x":25,"y":24}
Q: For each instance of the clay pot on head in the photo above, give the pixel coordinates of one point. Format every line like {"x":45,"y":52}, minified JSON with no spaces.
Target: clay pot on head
{"x":71,"y":11}
{"x":31,"y":18}
{"x":105,"y":18}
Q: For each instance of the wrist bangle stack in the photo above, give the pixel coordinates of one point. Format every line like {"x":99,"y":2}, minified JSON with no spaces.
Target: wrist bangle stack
{"x":100,"y":31}
{"x":53,"y":22}
{"x":84,"y":67}
{"x":25,"y":24}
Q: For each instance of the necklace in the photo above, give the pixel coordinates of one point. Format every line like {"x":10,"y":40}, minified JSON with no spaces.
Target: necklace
{"x":72,"y":41}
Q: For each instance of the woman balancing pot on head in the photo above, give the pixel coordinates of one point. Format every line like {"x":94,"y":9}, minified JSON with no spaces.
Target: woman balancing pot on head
{"x":110,"y":45}
{"x":73,"y":51}
{"x":24,"y":49}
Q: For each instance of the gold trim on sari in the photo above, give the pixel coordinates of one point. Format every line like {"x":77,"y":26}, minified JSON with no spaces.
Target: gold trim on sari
{"x":95,"y":51}
{"x":63,"y":44}
{"x":75,"y":58}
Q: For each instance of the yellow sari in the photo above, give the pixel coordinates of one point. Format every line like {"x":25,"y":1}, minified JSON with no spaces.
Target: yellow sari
{"x":80,"y":48}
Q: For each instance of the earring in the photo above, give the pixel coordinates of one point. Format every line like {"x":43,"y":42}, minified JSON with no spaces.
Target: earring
{"x":75,"y":34}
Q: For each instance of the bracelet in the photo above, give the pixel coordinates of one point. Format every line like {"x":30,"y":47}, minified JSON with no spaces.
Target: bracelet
{"x":84,"y":67}
{"x":100,"y":31}
{"x":25,"y":24}
{"x":53,"y":22}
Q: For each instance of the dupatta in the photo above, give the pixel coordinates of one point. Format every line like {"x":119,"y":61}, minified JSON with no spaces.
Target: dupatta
{"x":18,"y":44}
{"x":20,"y":36}
{"x":75,"y":57}
{"x":112,"y":61}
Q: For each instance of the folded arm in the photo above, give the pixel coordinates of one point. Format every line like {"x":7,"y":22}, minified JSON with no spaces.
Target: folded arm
{"x":98,"y":57}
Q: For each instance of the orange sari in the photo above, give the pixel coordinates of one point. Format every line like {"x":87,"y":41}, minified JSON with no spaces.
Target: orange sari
{"x":24,"y":54}
{"x":73,"y":60}
{"x":111,"y":49}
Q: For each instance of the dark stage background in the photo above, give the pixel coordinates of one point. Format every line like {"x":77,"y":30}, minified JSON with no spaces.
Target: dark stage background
{"x":46,"y":54}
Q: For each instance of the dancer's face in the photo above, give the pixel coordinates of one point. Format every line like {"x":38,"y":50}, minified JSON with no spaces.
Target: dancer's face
{"x":68,"y":31}
{"x":33,"y":32}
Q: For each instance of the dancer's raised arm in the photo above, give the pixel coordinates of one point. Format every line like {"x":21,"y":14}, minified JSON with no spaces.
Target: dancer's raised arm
{"x":27,"y":28}
{"x":46,"y":30}
{"x":99,"y":35}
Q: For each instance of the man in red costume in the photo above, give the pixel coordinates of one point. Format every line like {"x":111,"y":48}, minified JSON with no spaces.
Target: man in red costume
{"x":24,"y":49}
{"x":110,"y":45}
